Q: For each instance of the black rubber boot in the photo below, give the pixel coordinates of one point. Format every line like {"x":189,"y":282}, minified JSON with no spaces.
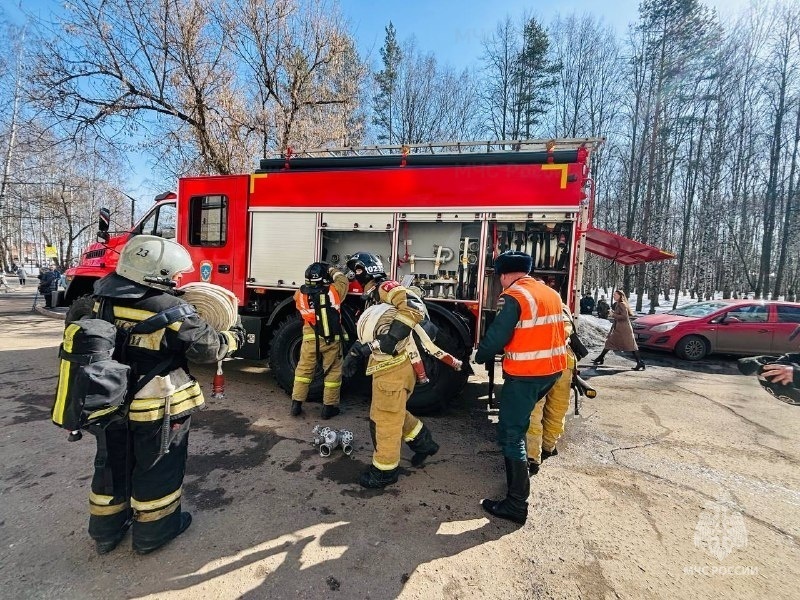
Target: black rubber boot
{"x":330,"y":410}
{"x":297,"y":408}
{"x":423,"y":446}
{"x":549,"y":453}
{"x":533,"y":466}
{"x":515,"y":505}
{"x":186,"y":520}
{"x":374,"y":478}
{"x":600,"y":359}
{"x":107,"y":546}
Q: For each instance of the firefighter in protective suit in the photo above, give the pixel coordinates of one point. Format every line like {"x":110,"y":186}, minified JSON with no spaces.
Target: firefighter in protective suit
{"x":133,"y":482}
{"x":393,"y":377}
{"x":529,"y":331}
{"x":547,"y":418}
{"x":319,"y":303}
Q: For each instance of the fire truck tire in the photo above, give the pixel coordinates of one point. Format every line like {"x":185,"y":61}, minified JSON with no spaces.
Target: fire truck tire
{"x":445,"y":383}
{"x":284,"y":352}
{"x":81,"y":307}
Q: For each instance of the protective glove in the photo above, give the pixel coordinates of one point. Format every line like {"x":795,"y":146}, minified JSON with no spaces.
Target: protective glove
{"x":325,"y":267}
{"x":239,"y":333}
{"x":354,"y":360}
{"x":388,"y":343}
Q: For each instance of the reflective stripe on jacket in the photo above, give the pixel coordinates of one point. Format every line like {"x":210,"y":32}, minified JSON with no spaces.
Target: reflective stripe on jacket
{"x":307,"y":311}
{"x":539,"y":344}
{"x":191,"y":339}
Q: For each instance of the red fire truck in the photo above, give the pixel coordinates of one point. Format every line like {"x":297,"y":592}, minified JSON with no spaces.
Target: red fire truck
{"x":437,"y":214}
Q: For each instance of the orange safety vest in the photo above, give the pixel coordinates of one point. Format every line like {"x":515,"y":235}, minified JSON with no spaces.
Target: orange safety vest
{"x":539,"y":344}
{"x":330,"y":305}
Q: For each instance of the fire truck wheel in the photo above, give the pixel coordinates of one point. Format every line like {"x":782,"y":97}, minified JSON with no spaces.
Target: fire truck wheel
{"x":284,"y":352}
{"x":445,"y":383}
{"x":81,"y":307}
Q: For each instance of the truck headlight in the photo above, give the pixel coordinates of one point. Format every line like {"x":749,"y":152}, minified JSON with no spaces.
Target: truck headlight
{"x":665,"y":326}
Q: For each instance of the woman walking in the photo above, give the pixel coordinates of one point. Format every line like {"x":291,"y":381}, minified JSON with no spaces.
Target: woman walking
{"x":621,"y":337}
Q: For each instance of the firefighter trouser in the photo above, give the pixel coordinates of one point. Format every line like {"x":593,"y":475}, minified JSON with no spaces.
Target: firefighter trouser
{"x":331,"y":356}
{"x":391,"y":424}
{"x":547,"y":417}
{"x":517,"y":399}
{"x":128,"y":483}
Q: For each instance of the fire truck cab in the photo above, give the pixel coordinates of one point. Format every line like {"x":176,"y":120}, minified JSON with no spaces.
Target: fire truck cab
{"x":437,"y":215}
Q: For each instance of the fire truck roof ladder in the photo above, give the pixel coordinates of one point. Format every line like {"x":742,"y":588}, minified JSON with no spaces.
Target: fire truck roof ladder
{"x":535,"y":151}
{"x":464,"y":147}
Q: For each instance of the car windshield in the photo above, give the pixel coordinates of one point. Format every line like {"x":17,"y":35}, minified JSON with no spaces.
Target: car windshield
{"x":701,"y":309}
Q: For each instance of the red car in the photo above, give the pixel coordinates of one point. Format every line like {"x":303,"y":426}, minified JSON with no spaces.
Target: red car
{"x":745,"y":327}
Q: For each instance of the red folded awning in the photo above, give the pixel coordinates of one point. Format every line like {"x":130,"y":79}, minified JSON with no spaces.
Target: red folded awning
{"x":620,"y":249}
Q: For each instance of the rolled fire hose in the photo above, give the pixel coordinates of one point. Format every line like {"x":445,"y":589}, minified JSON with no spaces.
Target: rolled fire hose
{"x":219,"y":308}
{"x":375,"y":321}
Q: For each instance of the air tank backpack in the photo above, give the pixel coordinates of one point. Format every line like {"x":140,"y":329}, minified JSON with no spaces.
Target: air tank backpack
{"x":95,"y":386}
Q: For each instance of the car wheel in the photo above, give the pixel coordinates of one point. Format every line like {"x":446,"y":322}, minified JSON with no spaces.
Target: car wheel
{"x":692,"y":347}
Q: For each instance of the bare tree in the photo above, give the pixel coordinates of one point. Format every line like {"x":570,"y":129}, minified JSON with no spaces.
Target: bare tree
{"x":308,"y":75}
{"x":500,"y":52}
{"x":432,"y":103}
{"x":517,"y":75}
{"x":205,"y":84}
{"x":112,"y":68}
{"x":783,"y":70}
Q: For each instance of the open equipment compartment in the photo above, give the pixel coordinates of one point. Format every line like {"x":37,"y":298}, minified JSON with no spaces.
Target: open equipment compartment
{"x":431,"y":251}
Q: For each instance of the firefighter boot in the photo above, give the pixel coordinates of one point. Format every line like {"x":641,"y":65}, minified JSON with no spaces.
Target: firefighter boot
{"x":330,"y":410}
{"x":548,"y":453}
{"x":515,"y":505}
{"x":185,"y":521}
{"x":107,"y":546}
{"x":423,"y":446}
{"x":374,"y":478}
{"x":297,"y":408}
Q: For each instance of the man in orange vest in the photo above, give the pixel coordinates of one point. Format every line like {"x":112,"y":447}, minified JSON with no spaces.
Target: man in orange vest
{"x":319,"y":302}
{"x":529,"y":331}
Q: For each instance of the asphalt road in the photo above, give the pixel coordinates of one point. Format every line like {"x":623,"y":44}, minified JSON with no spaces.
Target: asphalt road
{"x":674,"y":482}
